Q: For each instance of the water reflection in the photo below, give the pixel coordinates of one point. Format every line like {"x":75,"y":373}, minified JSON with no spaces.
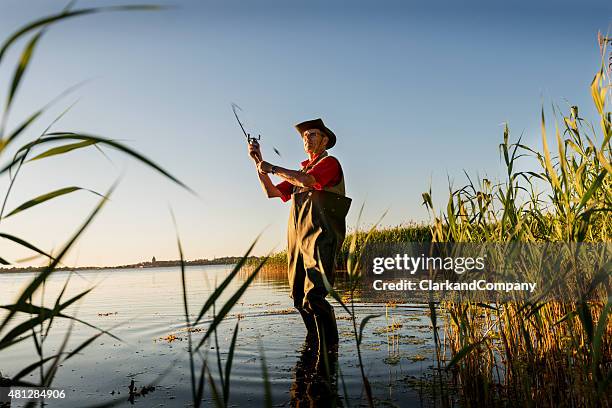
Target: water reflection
{"x":395,"y":346}
{"x":315,"y":380}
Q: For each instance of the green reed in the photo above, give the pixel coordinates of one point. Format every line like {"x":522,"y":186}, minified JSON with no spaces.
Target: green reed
{"x":536,"y":353}
{"x":277,"y":262}
{"x":38,"y":319}
{"x":548,"y":352}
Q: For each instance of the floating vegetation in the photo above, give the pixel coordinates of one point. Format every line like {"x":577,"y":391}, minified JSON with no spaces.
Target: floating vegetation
{"x":170,"y":338}
{"x":413,"y":340}
{"x":392,"y":360}
{"x":388,"y":329}
{"x":280,"y":311}
{"x":108,"y":314}
{"x":135,"y":392}
{"x":194,"y":329}
{"x":417,"y":357}
{"x":266,"y":304}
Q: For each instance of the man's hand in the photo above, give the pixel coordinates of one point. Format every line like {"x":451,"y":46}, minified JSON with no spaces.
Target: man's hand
{"x":254,"y":151}
{"x":264,"y":167}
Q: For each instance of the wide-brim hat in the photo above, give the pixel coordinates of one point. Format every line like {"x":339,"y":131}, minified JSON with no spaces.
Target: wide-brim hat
{"x":317,"y":124}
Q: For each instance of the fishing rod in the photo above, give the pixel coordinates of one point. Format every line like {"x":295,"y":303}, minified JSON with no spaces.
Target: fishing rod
{"x":250,"y":139}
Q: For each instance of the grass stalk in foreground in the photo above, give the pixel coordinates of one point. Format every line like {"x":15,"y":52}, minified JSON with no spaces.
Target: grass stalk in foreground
{"x":198,"y":381}
{"x":38,"y":318}
{"x":354,"y":279}
{"x":548,"y":350}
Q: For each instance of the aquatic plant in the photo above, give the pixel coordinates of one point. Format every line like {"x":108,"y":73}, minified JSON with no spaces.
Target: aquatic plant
{"x":538,"y":353}
{"x":198,"y":377}
{"x":354,"y":278}
{"x":276,"y":267}
{"x":546,"y":352}
{"x":26,"y":319}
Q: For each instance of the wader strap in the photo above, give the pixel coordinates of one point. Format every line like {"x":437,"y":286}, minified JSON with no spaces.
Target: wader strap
{"x":338,"y":188}
{"x":311,"y":165}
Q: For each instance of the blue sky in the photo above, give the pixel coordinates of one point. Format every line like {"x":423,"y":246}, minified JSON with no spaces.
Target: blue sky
{"x":416,"y":93}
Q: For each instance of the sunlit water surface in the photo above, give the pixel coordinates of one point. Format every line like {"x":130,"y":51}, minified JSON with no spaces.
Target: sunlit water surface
{"x":144,"y":308}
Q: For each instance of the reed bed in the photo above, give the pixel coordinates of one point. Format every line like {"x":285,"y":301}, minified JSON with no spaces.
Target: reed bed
{"x":276,"y":267}
{"x":548,"y":353}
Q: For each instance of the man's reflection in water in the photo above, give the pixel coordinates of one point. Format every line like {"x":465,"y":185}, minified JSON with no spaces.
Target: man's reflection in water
{"x":315,"y":376}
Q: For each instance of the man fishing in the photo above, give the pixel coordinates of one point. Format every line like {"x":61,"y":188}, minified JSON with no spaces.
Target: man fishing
{"x":316,"y":227}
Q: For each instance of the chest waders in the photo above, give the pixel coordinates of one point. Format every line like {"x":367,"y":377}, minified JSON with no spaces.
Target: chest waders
{"x":315,"y":234}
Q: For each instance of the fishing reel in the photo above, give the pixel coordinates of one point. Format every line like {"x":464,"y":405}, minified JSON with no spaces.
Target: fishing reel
{"x":253,"y":140}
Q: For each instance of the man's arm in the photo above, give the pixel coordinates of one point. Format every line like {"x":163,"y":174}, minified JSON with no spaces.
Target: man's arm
{"x":266,"y":184}
{"x":295,"y":177}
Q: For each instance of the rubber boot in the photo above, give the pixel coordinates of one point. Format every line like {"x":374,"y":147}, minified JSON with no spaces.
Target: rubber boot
{"x":311,"y":341}
{"x":327,"y":358}
{"x":325,"y":318}
{"x":332,"y":335}
{"x":327,"y":332}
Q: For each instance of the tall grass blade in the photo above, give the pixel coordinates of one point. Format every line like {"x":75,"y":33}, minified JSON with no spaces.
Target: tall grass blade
{"x":467,"y":349}
{"x":27,"y":370}
{"x":218,"y":291}
{"x":44,"y":274}
{"x":215,"y":393}
{"x":604,"y":162}
{"x":61,"y":136}
{"x":218,"y":353}
{"x":25,"y":244}
{"x":24,"y":60}
{"x":266,"y":378}
{"x":56,"y":306}
{"x":596,"y":94}
{"x":344,"y":389}
{"x":592,"y":189}
{"x":231,"y":302}
{"x":45,"y":21}
{"x":48,"y":196}
{"x":32,"y":118}
{"x":228,"y":365}
{"x":548,"y":163}
{"x":599,"y":334}
{"x":363,"y":323}
{"x":199,"y":392}
{"x":63,"y":149}
{"x":196,"y":391}
{"x":20,"y":158}
{"x":42,"y":314}
{"x":82,"y":346}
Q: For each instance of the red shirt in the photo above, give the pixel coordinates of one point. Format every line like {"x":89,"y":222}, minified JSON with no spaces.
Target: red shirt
{"x":326,"y":172}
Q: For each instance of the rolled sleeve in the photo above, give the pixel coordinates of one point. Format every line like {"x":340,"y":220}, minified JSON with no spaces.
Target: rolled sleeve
{"x":326,"y":173}
{"x":286,"y":188}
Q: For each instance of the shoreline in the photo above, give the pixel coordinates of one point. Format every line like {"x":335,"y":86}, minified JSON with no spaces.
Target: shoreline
{"x":141,"y":265}
{"x":386,"y":234}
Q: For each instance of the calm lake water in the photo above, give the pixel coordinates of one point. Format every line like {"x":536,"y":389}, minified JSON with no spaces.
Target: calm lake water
{"x":144,"y":308}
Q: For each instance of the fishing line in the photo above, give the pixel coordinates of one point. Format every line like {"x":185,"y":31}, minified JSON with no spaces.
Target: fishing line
{"x":250,"y":139}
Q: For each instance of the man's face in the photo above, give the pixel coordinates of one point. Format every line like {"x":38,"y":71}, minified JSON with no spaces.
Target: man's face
{"x":314,"y":140}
